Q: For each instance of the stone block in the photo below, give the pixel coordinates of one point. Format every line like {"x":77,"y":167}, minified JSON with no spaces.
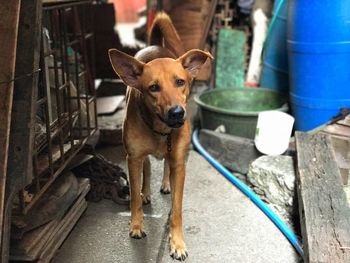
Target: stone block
{"x":234,"y":152}
{"x":274,"y":178}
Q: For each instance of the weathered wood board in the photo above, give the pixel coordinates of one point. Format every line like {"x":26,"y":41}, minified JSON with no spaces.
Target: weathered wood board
{"x":324,"y":211}
{"x":9,"y":19}
{"x":41,"y":244}
{"x":25,"y":93}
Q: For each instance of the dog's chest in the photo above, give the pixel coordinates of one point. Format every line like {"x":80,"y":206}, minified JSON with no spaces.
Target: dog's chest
{"x":160,"y":148}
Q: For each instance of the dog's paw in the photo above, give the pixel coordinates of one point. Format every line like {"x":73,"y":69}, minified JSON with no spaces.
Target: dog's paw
{"x":146,"y":199}
{"x":178,"y":251}
{"x":137,"y":233}
{"x":165,"y":188}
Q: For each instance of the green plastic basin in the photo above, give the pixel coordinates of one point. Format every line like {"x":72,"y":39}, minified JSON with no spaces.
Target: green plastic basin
{"x":237,"y":109}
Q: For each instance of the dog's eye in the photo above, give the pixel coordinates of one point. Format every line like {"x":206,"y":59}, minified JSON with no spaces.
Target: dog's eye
{"x":180,"y":82}
{"x":154,"y":88}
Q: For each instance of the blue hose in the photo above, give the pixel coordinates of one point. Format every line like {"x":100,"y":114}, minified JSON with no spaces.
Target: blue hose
{"x":276,"y":13}
{"x":249,"y":193}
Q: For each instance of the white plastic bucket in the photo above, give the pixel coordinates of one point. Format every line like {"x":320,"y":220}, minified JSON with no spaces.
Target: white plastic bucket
{"x":273,"y":132}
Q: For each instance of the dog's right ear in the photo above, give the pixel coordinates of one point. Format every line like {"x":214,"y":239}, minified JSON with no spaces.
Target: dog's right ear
{"x":193,"y":60}
{"x":127,"y":67}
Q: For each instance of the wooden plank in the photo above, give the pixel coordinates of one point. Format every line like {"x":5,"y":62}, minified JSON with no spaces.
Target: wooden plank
{"x":338,"y":129}
{"x":341,"y":149}
{"x":345,"y":122}
{"x":324,"y":211}
{"x":9,"y":17}
{"x":64,"y":231}
{"x":21,"y":140}
{"x":65,"y":226}
{"x":53,"y":204}
{"x":208,"y":22}
{"x":31,"y":246}
{"x":31,"y":240}
{"x":25,"y":93}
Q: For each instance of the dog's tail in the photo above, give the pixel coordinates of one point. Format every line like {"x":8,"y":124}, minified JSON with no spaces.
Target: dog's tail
{"x":163,"y":33}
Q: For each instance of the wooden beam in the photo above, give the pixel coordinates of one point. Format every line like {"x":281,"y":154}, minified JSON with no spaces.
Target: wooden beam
{"x":9,"y":17}
{"x":208,"y":21}
{"x":25,"y":94}
{"x":324,"y":211}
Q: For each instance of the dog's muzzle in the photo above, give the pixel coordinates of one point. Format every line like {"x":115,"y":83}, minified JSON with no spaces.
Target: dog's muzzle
{"x":175,"y":117}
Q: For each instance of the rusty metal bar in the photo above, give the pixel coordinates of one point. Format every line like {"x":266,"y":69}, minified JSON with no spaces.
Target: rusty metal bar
{"x":77,"y":41}
{"x":41,"y":101}
{"x":68,"y":87}
{"x":77,"y":83}
{"x":57,"y":24}
{"x":36,"y":174}
{"x":64,"y":86}
{"x":65,"y":5}
{"x":21,"y":199}
{"x":47,"y":115}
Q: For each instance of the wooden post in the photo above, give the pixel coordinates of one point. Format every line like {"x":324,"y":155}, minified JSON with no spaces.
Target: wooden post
{"x":25,"y":93}
{"x":9,"y":17}
{"x":324,"y":211}
{"x":20,"y":150}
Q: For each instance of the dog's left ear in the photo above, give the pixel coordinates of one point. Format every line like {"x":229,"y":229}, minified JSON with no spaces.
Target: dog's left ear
{"x":127,"y":67}
{"x":193,"y":60}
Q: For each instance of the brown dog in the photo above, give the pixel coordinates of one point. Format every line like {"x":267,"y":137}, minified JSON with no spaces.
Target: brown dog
{"x":158,"y":81}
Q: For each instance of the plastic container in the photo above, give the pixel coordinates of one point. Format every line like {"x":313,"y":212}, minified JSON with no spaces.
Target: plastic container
{"x":274,"y":73}
{"x":237,"y":109}
{"x":319,"y":60}
{"x":273,"y":132}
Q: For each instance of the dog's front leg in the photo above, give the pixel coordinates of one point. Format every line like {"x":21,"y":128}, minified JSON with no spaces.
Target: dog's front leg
{"x":177,"y":180}
{"x":135,"y":166}
{"x":165,"y":188}
{"x":146,"y":182}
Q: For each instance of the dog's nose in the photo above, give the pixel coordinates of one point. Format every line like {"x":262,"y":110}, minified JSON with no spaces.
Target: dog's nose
{"x":176,"y":113}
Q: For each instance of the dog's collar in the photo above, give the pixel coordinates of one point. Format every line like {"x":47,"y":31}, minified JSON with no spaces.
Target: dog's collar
{"x":143,"y":117}
{"x":160,"y":133}
{"x":167,"y":134}
{"x":150,"y":126}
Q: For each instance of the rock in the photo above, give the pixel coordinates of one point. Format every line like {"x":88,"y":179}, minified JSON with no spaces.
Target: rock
{"x":234,"y":152}
{"x":274,"y":176}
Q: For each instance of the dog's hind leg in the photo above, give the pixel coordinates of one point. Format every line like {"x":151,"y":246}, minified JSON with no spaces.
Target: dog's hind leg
{"x":146,"y":182}
{"x":165,"y":188}
{"x":136,"y":224}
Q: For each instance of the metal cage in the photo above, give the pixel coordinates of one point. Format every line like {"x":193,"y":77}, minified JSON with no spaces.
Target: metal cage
{"x":66,"y":106}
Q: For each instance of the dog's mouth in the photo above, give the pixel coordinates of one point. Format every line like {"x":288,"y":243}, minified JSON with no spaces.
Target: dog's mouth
{"x":176,"y":124}
{"x":172,"y":123}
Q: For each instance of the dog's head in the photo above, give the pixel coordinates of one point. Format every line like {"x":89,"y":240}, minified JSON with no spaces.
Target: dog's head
{"x":165,"y":82}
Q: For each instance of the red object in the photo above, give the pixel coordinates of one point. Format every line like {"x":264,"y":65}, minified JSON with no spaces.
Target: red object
{"x":126,"y":11}
{"x":151,"y":15}
{"x":251,"y":84}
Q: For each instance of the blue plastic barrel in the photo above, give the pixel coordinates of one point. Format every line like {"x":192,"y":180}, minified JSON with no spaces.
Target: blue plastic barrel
{"x":274,"y":74}
{"x":319,"y":60}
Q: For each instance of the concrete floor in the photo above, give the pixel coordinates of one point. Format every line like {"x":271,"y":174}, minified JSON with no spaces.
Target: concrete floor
{"x":220,"y":224}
